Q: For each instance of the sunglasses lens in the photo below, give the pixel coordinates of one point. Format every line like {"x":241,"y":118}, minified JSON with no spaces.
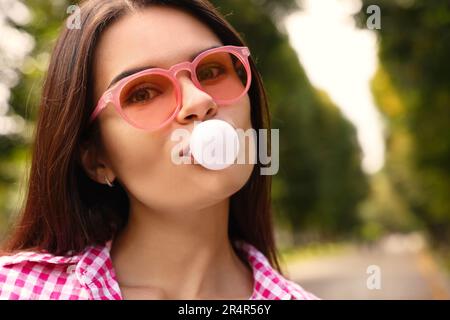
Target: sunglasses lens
{"x":222,"y":75}
{"x":148,"y":101}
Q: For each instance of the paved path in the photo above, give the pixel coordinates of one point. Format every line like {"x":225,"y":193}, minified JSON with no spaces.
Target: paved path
{"x":407,"y":271}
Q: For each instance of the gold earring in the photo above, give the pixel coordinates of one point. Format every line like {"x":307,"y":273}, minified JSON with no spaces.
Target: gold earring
{"x":108,"y":182}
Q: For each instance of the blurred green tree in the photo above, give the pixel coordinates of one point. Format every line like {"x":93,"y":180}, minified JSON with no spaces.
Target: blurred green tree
{"x":46,"y":19}
{"x":411,"y":88}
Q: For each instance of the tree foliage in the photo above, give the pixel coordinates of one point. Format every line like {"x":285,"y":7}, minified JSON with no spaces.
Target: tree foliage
{"x":412,"y":89}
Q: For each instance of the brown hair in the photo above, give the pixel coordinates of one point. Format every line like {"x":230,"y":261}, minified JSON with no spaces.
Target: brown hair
{"x":60,"y":213}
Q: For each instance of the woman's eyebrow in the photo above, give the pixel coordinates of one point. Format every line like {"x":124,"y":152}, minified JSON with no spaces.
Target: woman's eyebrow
{"x":129,"y":72}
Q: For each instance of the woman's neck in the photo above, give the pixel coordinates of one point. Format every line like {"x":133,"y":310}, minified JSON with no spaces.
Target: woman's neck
{"x":186,"y":255}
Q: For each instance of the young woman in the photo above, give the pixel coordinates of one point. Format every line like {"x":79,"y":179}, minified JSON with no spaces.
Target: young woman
{"x":108,"y":214}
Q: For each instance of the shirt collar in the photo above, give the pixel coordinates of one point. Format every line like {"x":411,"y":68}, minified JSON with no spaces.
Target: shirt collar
{"x":33,"y":256}
{"x":96,"y":265}
{"x":268,"y":283}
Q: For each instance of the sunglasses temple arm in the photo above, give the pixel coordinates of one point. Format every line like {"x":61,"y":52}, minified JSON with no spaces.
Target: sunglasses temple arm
{"x":100,"y":106}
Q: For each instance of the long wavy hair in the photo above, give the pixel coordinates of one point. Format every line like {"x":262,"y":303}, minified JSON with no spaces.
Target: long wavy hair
{"x":64,"y":210}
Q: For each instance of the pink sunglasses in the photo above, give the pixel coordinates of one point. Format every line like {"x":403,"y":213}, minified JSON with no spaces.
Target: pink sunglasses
{"x":151,"y":98}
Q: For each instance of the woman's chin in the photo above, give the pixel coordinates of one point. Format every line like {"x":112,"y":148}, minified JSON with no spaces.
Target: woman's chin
{"x":224,"y":182}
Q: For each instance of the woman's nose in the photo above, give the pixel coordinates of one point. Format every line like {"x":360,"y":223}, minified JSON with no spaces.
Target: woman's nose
{"x":196,"y":105}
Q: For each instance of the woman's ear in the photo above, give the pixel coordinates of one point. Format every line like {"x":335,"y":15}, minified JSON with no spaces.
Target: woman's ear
{"x":94,"y":164}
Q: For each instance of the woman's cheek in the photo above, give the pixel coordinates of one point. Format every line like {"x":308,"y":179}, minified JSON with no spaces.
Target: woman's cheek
{"x":133,"y":154}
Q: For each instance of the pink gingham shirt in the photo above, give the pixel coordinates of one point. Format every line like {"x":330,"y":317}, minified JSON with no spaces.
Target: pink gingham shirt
{"x":90,"y":275}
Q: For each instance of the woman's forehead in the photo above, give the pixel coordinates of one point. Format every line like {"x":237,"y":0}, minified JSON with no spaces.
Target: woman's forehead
{"x":155,"y":32}
{"x":156,"y":36}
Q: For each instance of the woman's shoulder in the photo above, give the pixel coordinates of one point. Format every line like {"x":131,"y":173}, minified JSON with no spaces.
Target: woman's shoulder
{"x":38,"y":275}
{"x":269,"y":284}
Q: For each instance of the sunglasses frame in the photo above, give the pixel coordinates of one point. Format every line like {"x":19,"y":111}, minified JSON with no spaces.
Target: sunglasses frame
{"x":113,"y":93}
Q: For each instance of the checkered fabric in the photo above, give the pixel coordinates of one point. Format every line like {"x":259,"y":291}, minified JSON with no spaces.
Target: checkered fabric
{"x":90,"y":275}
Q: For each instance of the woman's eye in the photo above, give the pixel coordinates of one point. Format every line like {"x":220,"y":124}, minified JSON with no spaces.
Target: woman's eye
{"x":209,"y":72}
{"x":142,"y":95}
